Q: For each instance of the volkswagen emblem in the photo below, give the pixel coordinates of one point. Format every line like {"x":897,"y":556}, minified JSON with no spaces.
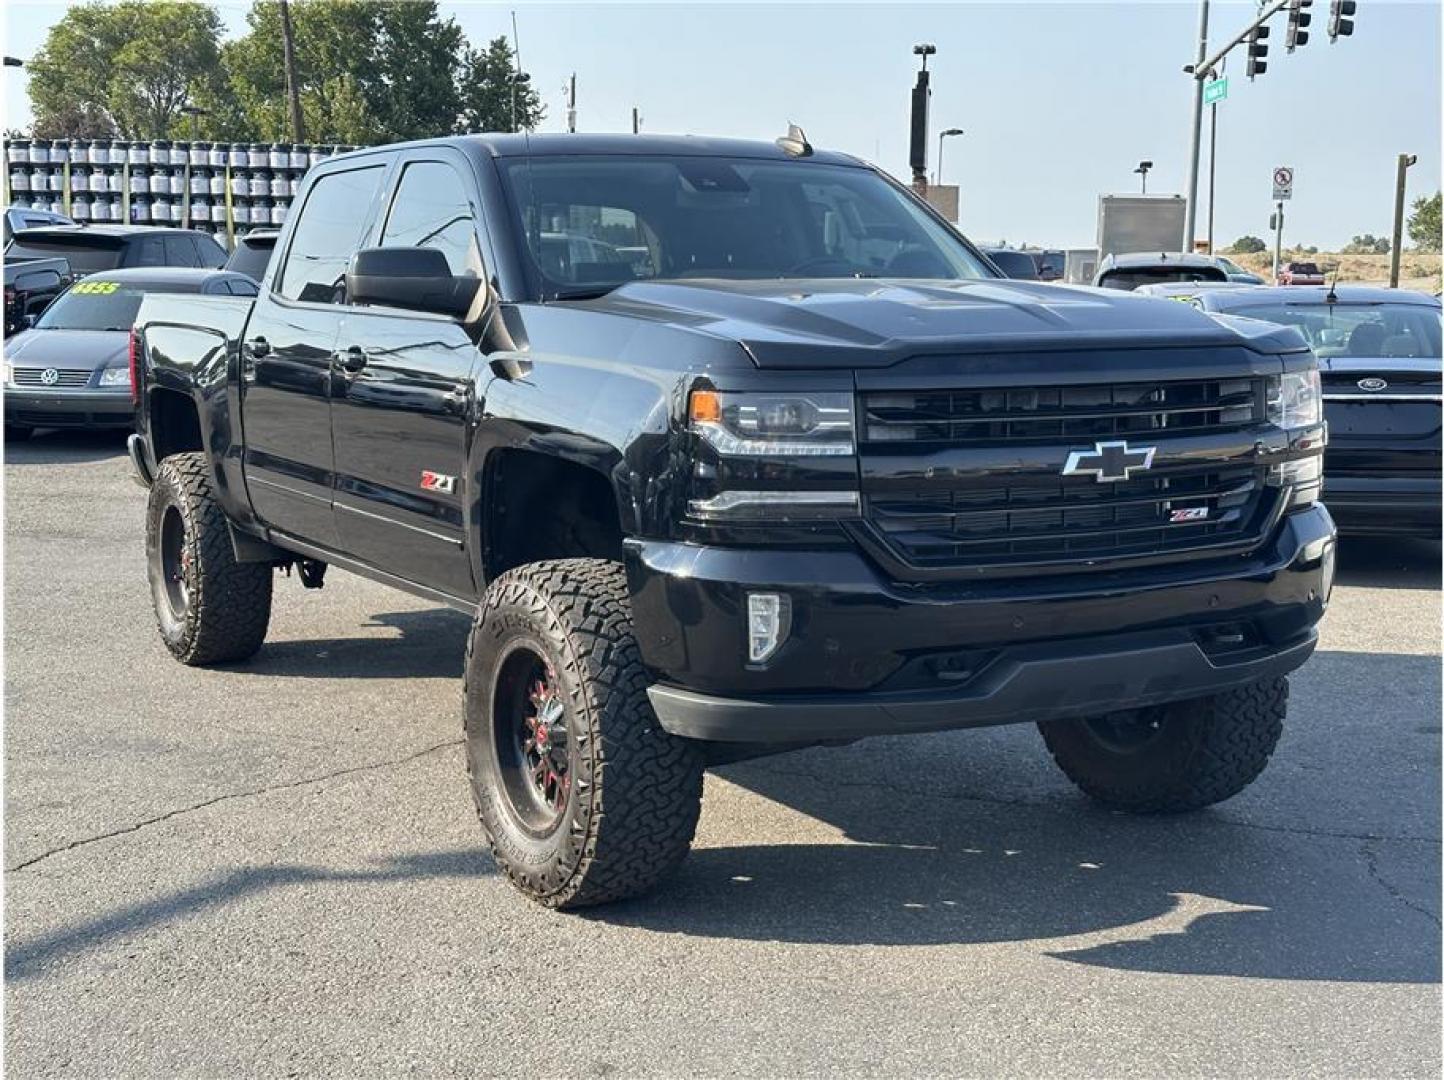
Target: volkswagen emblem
{"x":1109,"y":461}
{"x":1373,"y":384}
{"x":49,"y":377}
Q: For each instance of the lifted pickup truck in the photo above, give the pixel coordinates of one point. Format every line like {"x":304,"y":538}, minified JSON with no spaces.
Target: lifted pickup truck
{"x":769,"y":457}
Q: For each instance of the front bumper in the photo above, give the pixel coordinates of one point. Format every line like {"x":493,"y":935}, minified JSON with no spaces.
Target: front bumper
{"x":1385,"y":505}
{"x":867,"y":656}
{"x":69,"y":408}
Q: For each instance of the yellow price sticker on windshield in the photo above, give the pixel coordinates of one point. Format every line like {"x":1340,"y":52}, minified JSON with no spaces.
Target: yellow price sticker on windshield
{"x":95,"y":287}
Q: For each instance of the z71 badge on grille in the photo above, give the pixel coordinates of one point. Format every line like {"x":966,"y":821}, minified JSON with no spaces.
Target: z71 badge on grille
{"x":1188,"y":513}
{"x":1109,"y":461}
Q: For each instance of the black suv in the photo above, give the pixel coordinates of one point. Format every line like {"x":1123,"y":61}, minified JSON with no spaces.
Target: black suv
{"x":89,"y":248}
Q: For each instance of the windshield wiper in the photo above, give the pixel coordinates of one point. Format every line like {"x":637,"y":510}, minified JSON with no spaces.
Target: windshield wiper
{"x":584,"y":294}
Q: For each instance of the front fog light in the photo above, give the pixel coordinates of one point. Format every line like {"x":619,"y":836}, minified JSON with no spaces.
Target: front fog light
{"x":769,"y":617}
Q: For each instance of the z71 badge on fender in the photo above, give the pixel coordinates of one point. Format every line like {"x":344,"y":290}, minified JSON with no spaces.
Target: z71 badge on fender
{"x":435,"y":481}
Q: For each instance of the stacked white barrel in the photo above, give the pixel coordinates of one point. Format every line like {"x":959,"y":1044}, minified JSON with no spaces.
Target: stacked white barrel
{"x":160,"y":182}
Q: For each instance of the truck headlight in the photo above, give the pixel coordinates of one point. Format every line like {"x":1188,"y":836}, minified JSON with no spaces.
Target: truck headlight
{"x":1295,"y":401}
{"x":773,"y":425}
{"x":115,"y":376}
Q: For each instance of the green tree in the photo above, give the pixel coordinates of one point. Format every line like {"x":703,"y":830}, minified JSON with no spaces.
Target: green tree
{"x":1248,"y":245}
{"x":1368,"y":244}
{"x":124,"y":68}
{"x":1424,"y":223}
{"x":486,"y":87}
{"x":369,"y":71}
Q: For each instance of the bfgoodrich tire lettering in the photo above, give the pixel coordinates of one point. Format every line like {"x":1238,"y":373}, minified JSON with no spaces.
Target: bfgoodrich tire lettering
{"x":1173,"y":758}
{"x":633,"y":792}
{"x":209,"y":608}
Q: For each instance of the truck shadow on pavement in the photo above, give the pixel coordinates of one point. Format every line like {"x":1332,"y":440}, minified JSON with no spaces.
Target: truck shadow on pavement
{"x":969,"y":838}
{"x":427,"y":644}
{"x":30,"y":958}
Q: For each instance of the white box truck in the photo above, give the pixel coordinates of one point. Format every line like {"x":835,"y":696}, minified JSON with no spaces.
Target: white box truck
{"x":1139,"y":223}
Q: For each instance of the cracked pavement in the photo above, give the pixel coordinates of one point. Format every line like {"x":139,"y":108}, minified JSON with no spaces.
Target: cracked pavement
{"x":275,"y":869}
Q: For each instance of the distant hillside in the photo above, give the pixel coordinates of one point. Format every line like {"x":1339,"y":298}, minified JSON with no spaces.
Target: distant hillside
{"x":1419,"y":270}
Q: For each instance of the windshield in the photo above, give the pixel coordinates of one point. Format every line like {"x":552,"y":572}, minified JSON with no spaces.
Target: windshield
{"x":1230,"y":266}
{"x":92,"y":305}
{"x":84,"y":259}
{"x":1357,"y":330}
{"x":594,"y":222}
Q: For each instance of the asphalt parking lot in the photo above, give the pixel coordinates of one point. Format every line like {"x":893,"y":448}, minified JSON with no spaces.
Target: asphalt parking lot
{"x":275,"y":869}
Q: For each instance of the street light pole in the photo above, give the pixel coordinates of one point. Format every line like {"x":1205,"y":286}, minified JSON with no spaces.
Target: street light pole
{"x":1191,"y":208}
{"x":1142,"y":171}
{"x":941,"y":136}
{"x":1212,"y":164}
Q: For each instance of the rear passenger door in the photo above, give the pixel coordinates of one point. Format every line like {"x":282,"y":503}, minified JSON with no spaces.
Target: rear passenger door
{"x":289,"y":350}
{"x":403,"y":392}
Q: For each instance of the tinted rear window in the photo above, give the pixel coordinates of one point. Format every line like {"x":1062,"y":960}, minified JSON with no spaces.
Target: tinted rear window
{"x":1154,"y":275}
{"x":84,"y":258}
{"x":1357,"y":330}
{"x":252,"y":257}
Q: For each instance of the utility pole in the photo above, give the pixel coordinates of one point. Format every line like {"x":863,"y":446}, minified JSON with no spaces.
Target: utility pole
{"x":1400,"y":180}
{"x":572,"y":104}
{"x":918,"y":130}
{"x":293,"y":83}
{"x":636,"y":121}
{"x":1190,"y":212}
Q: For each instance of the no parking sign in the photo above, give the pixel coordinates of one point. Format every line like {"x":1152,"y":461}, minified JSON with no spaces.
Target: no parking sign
{"x":1283,"y":182}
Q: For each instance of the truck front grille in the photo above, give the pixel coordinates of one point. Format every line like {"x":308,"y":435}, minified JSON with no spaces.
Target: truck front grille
{"x":972,"y":478}
{"x":1031,"y":414}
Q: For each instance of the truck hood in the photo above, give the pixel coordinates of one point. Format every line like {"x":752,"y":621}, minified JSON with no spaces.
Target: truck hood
{"x":70,"y":349}
{"x":865,"y":323}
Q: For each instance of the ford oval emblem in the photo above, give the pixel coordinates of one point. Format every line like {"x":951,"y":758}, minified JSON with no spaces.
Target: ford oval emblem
{"x":1373,"y":385}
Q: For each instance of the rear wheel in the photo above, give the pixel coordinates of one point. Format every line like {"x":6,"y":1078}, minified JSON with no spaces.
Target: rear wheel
{"x":209,"y":607}
{"x":583,"y":796}
{"x":1176,"y":757}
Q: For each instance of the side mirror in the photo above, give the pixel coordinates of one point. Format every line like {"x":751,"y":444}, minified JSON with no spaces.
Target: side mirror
{"x":27,"y":322}
{"x":417,"y":279}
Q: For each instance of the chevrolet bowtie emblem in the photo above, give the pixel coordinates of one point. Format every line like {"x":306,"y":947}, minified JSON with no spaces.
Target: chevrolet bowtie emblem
{"x":1109,"y":461}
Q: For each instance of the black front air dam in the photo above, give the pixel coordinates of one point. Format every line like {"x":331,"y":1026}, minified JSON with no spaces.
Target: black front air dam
{"x":1025,"y":684}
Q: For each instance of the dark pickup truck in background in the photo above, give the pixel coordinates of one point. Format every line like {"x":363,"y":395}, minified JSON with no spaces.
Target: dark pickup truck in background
{"x":733,"y":448}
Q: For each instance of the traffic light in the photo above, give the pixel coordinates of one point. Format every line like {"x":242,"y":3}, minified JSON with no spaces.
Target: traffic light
{"x":1299,"y":19}
{"x":1340,"y":24}
{"x":1258,"y":51}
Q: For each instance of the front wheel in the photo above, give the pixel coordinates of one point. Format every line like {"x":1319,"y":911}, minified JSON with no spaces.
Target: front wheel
{"x":209,"y":607}
{"x":1173,"y":758}
{"x":583,"y":796}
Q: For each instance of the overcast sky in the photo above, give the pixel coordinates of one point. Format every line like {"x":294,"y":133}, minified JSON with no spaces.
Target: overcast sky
{"x":1059,"y":101}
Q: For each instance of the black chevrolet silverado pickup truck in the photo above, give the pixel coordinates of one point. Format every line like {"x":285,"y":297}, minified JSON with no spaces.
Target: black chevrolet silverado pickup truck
{"x":732,"y":448}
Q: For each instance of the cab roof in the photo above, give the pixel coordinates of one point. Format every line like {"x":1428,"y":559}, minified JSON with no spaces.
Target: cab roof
{"x":568,"y":144}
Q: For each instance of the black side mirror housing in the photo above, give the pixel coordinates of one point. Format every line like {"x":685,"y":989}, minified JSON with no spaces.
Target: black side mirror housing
{"x":413,"y":278}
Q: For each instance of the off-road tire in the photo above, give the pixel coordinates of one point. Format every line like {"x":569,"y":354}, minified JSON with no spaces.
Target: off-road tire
{"x":1202,"y":752}
{"x":636,"y":791}
{"x":229,"y":602}
{"x":18,"y":432}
